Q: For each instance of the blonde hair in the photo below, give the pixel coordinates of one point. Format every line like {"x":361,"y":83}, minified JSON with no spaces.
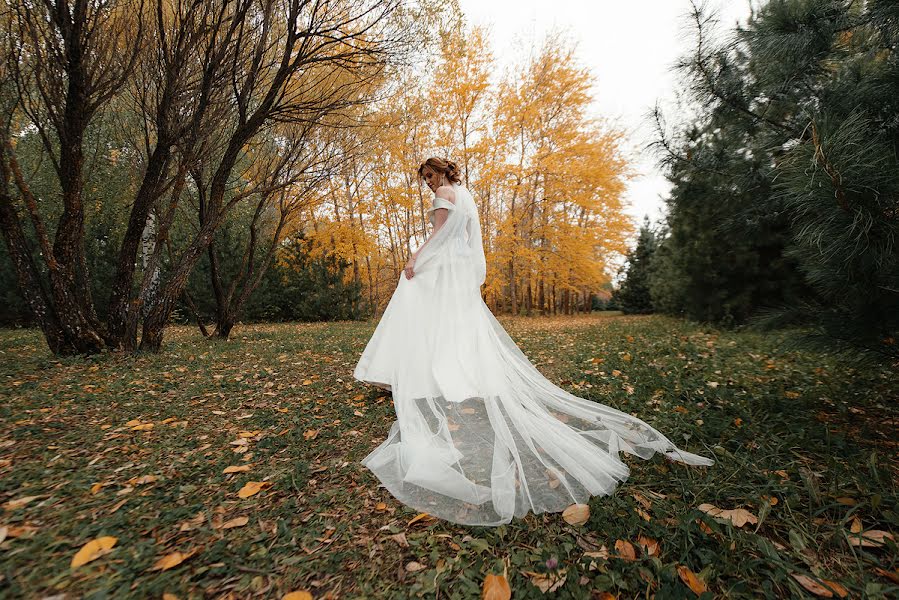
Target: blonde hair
{"x":441,"y":166}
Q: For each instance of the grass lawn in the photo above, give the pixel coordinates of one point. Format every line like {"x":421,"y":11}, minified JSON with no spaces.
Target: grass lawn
{"x":135,"y":448}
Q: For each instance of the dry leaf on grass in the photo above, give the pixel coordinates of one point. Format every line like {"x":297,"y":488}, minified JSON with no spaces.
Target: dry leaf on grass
{"x":547,"y":582}
{"x":602,"y":553}
{"x":171,"y":560}
{"x":92,"y":550}
{"x":251,"y":488}
{"x":645,"y":515}
{"x":891,"y":575}
{"x":625,"y":550}
{"x":818,"y":589}
{"x":873,"y":538}
{"x":236,"y":469}
{"x":647,"y":504}
{"x":691,"y":580}
{"x":143,"y":480}
{"x":649,"y":545}
{"x":495,"y":588}
{"x":299,"y":595}
{"x":19,"y":502}
{"x":738,"y":516}
{"x":235,"y":522}
{"x":576,"y":514}
{"x":420,"y":517}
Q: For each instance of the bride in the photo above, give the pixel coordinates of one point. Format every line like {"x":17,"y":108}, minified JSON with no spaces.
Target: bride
{"x":481,"y":436}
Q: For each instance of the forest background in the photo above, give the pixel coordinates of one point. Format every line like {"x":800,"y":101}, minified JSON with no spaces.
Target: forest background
{"x":292,"y":193}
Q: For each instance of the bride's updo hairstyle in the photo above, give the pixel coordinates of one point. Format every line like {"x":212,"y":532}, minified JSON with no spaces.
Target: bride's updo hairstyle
{"x":445,"y":167}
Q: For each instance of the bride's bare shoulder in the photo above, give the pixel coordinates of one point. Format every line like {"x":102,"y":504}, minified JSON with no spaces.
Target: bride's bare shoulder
{"x":446,"y":192}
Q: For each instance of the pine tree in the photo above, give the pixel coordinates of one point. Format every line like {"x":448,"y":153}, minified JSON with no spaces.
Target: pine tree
{"x":633,"y":296}
{"x":807,"y":91}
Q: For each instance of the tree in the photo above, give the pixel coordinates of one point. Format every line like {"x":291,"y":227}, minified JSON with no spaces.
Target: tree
{"x":202,"y":81}
{"x":633,"y":297}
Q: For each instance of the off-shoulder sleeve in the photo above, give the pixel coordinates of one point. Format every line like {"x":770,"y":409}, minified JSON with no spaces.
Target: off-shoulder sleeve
{"x":441,"y":203}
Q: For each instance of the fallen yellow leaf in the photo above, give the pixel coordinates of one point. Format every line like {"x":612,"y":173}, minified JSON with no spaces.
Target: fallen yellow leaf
{"x":419,"y":517}
{"x":301,"y":595}
{"x":252,"y":488}
{"x":870,"y":539}
{"x":143,"y":480}
{"x":649,"y":545}
{"x":236,"y":522}
{"x":171,"y":560}
{"x":738,"y":516}
{"x":19,"y":502}
{"x":625,"y":550}
{"x":92,"y":550}
{"x":495,"y":588}
{"x":691,"y":580}
{"x":642,"y":500}
{"x":820,"y":590}
{"x":236,"y":469}
{"x":576,"y":514}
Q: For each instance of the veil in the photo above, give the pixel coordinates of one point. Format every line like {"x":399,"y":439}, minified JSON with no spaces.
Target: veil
{"x":475,"y":241}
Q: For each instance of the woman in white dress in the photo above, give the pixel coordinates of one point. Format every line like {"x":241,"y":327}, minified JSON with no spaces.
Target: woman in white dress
{"x":481,"y":436}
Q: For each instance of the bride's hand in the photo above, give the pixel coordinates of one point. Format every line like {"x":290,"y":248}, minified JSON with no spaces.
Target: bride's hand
{"x":409,"y":268}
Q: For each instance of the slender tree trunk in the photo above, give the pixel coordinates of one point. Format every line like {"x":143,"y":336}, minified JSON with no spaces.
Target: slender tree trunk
{"x":554,"y":302}
{"x":28,"y":278}
{"x":122,"y":320}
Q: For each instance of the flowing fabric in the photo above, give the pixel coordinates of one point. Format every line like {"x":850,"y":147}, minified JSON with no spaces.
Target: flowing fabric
{"x":481,"y":436}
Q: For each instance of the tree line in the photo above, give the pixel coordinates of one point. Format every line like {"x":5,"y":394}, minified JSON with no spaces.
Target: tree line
{"x":785,"y":202}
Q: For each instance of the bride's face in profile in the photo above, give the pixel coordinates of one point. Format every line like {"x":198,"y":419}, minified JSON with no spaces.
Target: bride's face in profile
{"x":432,"y":178}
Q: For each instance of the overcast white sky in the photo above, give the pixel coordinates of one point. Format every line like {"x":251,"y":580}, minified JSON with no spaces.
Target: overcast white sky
{"x":629,"y":46}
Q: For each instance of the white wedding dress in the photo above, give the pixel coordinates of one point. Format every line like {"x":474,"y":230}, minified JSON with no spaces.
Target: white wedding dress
{"x":481,"y":435}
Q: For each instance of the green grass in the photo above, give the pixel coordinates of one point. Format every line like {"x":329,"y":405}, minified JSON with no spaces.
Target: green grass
{"x":799,"y":427}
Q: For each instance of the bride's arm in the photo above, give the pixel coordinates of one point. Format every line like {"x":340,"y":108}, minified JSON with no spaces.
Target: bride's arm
{"x":440,"y":217}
